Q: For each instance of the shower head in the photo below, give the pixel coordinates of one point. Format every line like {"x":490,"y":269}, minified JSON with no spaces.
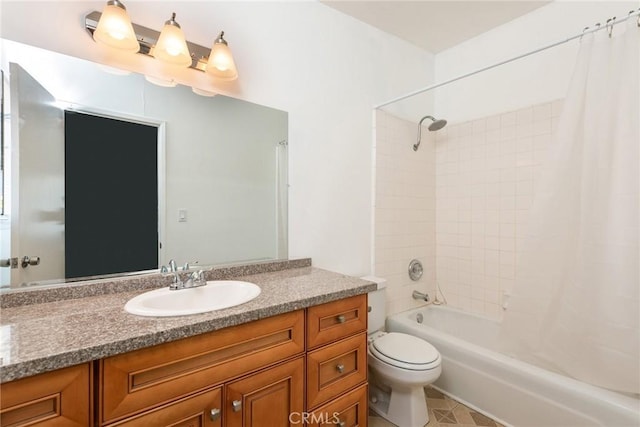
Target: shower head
{"x":434,"y":126}
{"x":437,"y":125}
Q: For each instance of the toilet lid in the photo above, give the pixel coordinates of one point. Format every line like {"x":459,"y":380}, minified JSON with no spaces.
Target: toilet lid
{"x":405,"y":351}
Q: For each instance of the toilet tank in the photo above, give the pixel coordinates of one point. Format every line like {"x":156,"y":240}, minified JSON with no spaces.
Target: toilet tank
{"x":377,"y":301}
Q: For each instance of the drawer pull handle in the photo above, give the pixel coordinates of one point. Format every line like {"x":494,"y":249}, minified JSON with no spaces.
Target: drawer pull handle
{"x":236,"y":405}
{"x":340,"y":367}
{"x":214,"y":414}
{"x":341,"y":319}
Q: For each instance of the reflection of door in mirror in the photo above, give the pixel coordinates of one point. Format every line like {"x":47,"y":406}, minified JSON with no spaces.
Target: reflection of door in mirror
{"x":36,"y":229}
{"x":111,"y":195}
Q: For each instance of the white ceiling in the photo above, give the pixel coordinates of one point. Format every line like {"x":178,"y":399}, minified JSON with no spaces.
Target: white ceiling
{"x":434,"y":25}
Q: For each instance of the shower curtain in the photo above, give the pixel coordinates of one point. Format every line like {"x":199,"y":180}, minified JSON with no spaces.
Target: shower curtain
{"x":575,"y":303}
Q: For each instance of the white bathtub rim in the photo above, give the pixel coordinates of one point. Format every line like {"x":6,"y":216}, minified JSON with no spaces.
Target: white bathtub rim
{"x":516,"y":367}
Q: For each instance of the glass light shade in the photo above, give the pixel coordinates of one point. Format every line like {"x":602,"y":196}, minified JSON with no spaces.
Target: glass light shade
{"x":160,"y":81}
{"x":115,"y":30}
{"x":221,"y":64}
{"x":202,"y":92}
{"x":172,"y":47}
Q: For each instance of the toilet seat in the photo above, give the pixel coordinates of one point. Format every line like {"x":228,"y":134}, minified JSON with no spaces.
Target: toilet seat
{"x":405,"y":351}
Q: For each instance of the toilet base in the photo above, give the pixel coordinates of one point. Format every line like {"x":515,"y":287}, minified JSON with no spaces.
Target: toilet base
{"x":406,"y":407}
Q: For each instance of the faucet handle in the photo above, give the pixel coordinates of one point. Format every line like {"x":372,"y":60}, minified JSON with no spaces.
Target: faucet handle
{"x":198,"y":277}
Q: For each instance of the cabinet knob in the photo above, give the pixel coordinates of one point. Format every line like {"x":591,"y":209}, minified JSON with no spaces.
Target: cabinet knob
{"x":340,"y":367}
{"x":341,"y":423}
{"x":236,"y":405}
{"x":341,"y":319}
{"x":214,"y":415}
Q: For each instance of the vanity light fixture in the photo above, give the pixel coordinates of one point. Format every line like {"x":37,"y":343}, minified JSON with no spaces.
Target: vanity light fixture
{"x":169,"y":46}
{"x":221,"y":63}
{"x":172,"y":46}
{"x":114,"y":28}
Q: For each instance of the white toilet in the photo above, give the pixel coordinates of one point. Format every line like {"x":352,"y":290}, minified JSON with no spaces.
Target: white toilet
{"x":400,"y":365}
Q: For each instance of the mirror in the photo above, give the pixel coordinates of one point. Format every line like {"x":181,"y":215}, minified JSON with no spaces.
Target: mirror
{"x":221,"y":166}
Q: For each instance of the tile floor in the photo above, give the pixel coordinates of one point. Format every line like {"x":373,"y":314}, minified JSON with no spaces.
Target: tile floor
{"x":443,"y":412}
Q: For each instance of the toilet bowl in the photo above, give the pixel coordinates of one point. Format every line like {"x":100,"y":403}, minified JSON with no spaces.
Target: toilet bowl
{"x":400,"y":366}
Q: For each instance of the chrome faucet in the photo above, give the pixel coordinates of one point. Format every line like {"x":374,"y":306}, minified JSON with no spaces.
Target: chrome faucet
{"x":194,"y":280}
{"x":420,"y":296}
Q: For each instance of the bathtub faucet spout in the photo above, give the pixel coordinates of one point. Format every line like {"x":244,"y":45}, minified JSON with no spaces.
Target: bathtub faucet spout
{"x":420,"y":296}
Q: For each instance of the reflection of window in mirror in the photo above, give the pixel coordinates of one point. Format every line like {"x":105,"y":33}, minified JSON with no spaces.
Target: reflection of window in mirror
{"x":5,"y":171}
{"x":2,"y":145}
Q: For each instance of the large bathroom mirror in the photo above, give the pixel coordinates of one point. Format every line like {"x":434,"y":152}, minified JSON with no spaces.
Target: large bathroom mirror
{"x":212,"y":174}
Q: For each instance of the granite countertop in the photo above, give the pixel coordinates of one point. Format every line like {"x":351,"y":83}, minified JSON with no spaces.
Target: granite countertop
{"x":41,"y":337}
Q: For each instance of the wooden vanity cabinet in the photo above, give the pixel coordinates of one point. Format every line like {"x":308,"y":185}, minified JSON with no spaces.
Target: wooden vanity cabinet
{"x":258,"y":374}
{"x":337,"y":362}
{"x":60,"y":398}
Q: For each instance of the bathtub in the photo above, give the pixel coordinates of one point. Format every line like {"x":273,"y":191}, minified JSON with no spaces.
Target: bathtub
{"x":506,"y":389}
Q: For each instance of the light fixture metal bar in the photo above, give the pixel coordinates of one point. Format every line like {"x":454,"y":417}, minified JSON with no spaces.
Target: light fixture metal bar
{"x":148,"y":38}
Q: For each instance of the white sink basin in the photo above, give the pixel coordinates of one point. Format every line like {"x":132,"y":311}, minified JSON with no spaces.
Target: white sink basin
{"x":216,"y":295}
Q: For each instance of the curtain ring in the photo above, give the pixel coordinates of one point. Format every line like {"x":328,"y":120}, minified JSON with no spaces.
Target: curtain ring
{"x":585,"y":29}
{"x":631,"y":12}
{"x":610,"y":23}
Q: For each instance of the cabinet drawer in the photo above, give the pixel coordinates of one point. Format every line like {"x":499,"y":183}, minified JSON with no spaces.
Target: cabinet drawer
{"x":201,"y":410}
{"x":335,"y":369}
{"x":349,"y":410}
{"x":136,"y":381}
{"x":57,"y":398}
{"x":335,"y":320}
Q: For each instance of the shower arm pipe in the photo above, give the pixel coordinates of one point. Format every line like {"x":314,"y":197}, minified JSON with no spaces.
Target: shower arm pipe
{"x":598,"y":27}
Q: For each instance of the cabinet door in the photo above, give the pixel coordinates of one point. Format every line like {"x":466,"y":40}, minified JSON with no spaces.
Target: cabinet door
{"x":56,"y":398}
{"x":201,"y":410}
{"x":266,"y":398}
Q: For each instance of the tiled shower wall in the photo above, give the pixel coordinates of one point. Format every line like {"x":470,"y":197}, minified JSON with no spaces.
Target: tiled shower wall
{"x":460,"y":204}
{"x":486,"y":172}
{"x":405,"y":212}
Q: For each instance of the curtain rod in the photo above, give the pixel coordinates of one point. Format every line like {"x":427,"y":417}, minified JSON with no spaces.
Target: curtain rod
{"x":610,"y":23}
